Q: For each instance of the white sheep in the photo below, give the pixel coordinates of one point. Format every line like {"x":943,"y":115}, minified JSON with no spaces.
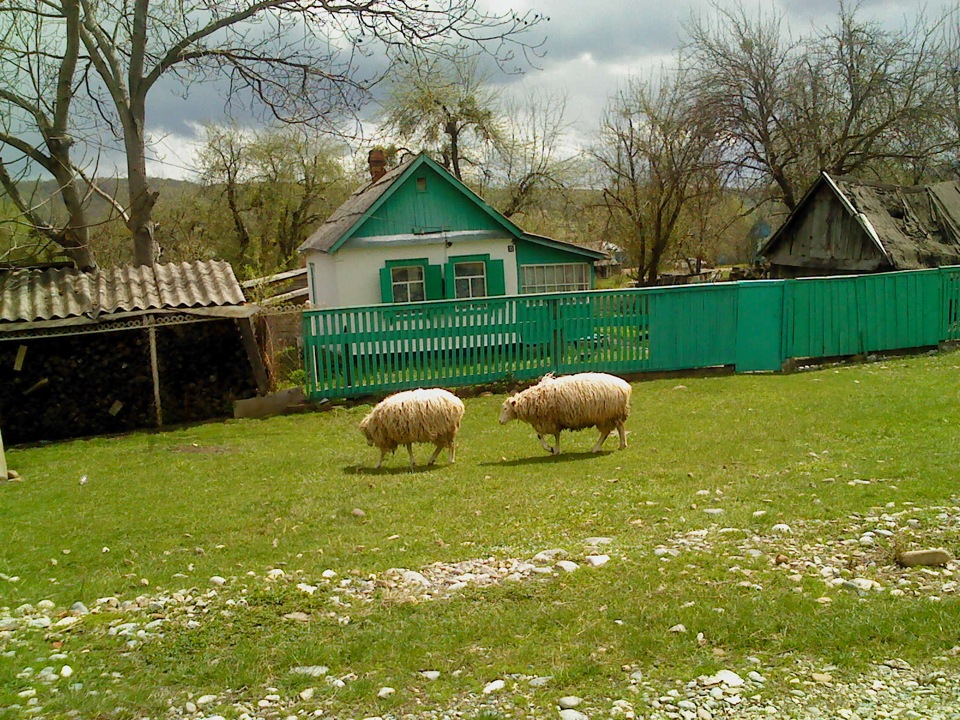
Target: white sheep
{"x":429,"y":415}
{"x":572,"y":402}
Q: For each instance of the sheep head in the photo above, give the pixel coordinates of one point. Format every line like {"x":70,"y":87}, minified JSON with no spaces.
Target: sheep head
{"x":508,"y":411}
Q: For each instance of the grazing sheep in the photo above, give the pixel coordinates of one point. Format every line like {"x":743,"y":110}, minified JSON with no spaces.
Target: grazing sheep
{"x":572,"y":402}
{"x":414,"y":416}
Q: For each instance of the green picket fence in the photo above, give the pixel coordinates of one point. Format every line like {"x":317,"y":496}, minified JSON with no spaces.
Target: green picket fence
{"x":751,"y":325}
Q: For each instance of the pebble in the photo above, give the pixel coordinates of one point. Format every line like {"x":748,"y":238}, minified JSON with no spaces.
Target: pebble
{"x":756,"y":677}
{"x":357,"y":512}
{"x":567,"y":565}
{"x":205,"y":700}
{"x":492,"y":687}
{"x":385,"y":692}
{"x":781,"y":529}
{"x":78,"y":608}
{"x":678,"y":628}
{"x":571,"y":714}
{"x":306,"y":694}
{"x":431,"y":674}
{"x":310,"y":670}
{"x":548,"y":556}
{"x":218,"y":580}
{"x":569,"y":701}
{"x":597,"y":560}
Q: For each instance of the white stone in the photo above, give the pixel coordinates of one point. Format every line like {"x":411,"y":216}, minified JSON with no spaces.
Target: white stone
{"x":311,"y":670}
{"x":415,"y":578}
{"x":328,"y":574}
{"x":66,"y":671}
{"x":304,"y":587}
{"x":571,"y":714}
{"x":679,"y":628}
{"x":206,"y":699}
{"x":597,"y":560}
{"x":567,"y":565}
{"x":385,"y":692}
{"x":431,"y":674}
{"x":756,"y":677}
{"x":306,"y":693}
{"x":492,"y":687}
{"x":66,"y":622}
{"x":713,"y":511}
{"x":218,"y":580}
{"x":190,"y":707}
{"x":781,"y":529}
{"x":568,"y":701}
{"x":275,"y":573}
{"x":729,"y":678}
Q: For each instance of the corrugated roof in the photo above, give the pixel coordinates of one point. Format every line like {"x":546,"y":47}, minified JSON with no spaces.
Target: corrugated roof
{"x":29,"y":295}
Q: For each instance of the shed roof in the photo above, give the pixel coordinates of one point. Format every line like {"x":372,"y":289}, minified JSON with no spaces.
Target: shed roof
{"x":913,"y":226}
{"x":67,"y":296}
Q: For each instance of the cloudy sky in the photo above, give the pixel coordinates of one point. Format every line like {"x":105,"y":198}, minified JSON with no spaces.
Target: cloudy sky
{"x":591,"y":47}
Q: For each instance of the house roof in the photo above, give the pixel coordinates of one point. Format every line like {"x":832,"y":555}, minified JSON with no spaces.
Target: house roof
{"x":912,"y":226}
{"x":364,"y":201}
{"x":37,"y":298}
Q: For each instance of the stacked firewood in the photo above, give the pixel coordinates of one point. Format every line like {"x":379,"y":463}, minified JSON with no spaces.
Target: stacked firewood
{"x":56,"y":387}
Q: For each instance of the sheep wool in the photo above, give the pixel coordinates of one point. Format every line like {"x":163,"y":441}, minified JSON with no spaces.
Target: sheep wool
{"x":430,"y":415}
{"x":572,"y":402}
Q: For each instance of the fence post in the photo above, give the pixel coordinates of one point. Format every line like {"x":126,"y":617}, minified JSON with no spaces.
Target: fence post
{"x":3,"y":461}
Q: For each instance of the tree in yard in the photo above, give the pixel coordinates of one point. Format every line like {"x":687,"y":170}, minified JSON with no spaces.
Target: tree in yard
{"x":278,"y":185}
{"x":39,"y":57}
{"x":529,"y":159}
{"x":446,"y":106}
{"x":852,"y":98}
{"x":658,"y":153}
{"x":298,"y":60}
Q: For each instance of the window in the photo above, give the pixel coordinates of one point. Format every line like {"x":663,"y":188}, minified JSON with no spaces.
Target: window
{"x":555,"y":278}
{"x":421,"y":184}
{"x":408,"y":283}
{"x":470,"y":279}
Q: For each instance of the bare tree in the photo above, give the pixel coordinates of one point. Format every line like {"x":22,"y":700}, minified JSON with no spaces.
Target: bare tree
{"x":298,"y":60}
{"x":658,"y":152}
{"x":850,"y":98}
{"x":530,"y":158}
{"x":38,"y":78}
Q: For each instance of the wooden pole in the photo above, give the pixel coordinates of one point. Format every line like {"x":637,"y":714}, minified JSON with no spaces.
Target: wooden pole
{"x":3,"y":461}
{"x":154,"y":367}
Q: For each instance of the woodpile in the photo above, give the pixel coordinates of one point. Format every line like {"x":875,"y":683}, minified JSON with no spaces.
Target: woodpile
{"x":57,"y":387}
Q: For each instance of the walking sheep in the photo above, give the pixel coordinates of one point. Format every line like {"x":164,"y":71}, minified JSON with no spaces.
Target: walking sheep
{"x":432,"y":415}
{"x":572,"y":402}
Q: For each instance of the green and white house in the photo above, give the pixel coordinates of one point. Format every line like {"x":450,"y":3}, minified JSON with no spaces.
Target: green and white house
{"x":417,"y":233}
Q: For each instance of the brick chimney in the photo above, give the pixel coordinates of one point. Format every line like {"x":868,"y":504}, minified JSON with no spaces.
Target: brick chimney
{"x":378,"y":164}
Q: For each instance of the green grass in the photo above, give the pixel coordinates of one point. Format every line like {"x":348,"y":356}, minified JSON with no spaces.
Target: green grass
{"x":166,"y":511}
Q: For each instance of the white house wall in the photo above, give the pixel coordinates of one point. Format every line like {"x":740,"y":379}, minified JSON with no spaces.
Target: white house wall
{"x":351,"y":276}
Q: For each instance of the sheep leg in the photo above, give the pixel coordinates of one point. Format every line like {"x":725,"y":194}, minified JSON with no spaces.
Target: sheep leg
{"x":600,"y":441}
{"x":453,"y":452}
{"x":433,"y":458}
{"x":410,"y":453}
{"x":383,"y":454}
{"x":621,"y":431}
{"x":556,"y":437}
{"x":545,"y":446}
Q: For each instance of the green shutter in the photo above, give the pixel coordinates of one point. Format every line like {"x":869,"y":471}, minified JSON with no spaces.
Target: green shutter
{"x":496,"y":284}
{"x":386,"y":285}
{"x":433,"y":279}
{"x":450,"y":286}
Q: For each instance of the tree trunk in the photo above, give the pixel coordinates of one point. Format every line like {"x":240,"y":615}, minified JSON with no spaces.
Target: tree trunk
{"x":146,"y":250}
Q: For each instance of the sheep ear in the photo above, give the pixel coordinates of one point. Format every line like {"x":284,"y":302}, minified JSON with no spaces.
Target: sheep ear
{"x":513,"y":402}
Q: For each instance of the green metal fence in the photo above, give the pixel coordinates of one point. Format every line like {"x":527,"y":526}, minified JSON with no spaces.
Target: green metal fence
{"x":752,"y":325}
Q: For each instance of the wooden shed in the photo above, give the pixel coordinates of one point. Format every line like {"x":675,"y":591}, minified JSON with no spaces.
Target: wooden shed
{"x":115,"y":349}
{"x":845,"y":226}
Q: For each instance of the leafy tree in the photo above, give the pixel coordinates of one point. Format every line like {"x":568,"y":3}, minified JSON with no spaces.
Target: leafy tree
{"x":446,"y":106}
{"x":278,"y":185}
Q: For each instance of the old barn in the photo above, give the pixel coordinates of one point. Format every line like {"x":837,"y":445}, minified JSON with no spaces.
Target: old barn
{"x":844,"y":226}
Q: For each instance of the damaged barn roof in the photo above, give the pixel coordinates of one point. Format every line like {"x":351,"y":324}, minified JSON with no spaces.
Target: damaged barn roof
{"x":66,"y":296}
{"x":913,"y":226}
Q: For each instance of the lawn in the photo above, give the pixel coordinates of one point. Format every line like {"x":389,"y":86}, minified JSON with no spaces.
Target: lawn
{"x":264,"y":568}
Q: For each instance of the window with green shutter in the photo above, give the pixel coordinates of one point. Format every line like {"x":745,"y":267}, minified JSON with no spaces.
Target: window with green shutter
{"x":470,"y":276}
{"x":410,"y":281}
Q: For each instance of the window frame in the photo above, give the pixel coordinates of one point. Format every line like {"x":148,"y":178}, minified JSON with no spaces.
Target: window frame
{"x":537,"y":278}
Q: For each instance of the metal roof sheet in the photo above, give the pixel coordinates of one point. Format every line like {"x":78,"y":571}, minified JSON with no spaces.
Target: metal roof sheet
{"x":30,"y":295}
